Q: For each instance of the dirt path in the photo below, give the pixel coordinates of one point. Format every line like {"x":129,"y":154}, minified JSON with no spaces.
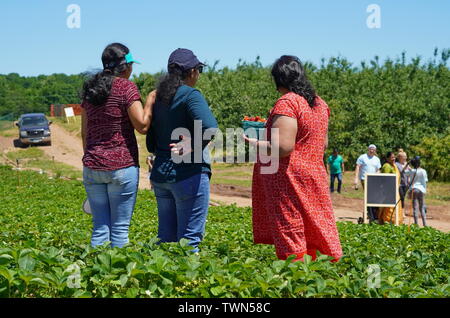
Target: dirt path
{"x":67,"y":148}
{"x":6,"y":143}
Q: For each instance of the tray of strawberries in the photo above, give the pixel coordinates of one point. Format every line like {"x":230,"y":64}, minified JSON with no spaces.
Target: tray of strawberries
{"x":257,"y":123}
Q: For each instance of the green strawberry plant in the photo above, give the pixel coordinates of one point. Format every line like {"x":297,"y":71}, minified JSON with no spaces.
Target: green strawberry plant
{"x":45,"y":252}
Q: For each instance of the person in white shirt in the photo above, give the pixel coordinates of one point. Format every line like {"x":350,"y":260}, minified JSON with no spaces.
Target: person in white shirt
{"x":419,"y":179}
{"x":367,"y":163}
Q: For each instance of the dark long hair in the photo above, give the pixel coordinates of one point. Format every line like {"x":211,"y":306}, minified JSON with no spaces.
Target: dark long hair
{"x":415,"y":162}
{"x":388,"y":155}
{"x":169,"y":83}
{"x":288,"y":72}
{"x":97,"y":88}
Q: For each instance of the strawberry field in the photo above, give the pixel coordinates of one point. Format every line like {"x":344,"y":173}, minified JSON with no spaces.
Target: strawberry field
{"x":45,"y":252}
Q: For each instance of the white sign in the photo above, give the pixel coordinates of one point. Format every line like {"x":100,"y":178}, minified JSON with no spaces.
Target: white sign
{"x":69,"y":112}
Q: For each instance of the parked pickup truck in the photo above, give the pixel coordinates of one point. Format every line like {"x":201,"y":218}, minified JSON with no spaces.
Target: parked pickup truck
{"x":34,"y":129}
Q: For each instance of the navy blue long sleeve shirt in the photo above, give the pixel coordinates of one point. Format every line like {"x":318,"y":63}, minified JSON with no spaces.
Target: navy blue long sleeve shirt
{"x":188,"y":105}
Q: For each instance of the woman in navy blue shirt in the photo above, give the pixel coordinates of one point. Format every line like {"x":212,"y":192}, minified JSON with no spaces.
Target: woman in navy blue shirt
{"x":181,"y":170}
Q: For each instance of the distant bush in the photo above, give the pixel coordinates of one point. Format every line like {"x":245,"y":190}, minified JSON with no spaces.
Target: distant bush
{"x":393,"y":104}
{"x":435,"y":153}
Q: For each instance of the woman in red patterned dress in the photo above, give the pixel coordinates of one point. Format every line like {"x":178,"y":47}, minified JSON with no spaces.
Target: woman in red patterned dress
{"x":292,"y":207}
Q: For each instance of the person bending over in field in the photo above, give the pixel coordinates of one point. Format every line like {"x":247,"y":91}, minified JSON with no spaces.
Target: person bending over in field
{"x":112,"y":110}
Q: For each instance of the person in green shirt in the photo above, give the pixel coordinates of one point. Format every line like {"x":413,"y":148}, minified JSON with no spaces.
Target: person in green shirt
{"x":336,"y":163}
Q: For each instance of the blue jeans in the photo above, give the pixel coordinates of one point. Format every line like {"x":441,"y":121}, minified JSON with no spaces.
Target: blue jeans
{"x":112,"y":196}
{"x":332,"y":178}
{"x":182,"y":209}
{"x":419,"y":205}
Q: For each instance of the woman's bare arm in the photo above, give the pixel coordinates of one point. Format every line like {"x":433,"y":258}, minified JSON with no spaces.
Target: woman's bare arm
{"x":141,"y":116}
{"x":285,"y":143}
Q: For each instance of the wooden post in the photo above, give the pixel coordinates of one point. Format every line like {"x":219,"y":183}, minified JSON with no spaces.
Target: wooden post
{"x":17,"y":172}
{"x":365,"y":216}
{"x":397,"y":198}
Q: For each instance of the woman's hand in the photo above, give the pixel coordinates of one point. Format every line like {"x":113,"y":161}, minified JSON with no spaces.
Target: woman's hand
{"x":150,"y":162}
{"x":251,"y":141}
{"x":181,"y":148}
{"x":263,"y":147}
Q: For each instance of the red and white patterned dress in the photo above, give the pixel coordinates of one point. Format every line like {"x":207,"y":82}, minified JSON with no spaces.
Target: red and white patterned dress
{"x":292,"y":208}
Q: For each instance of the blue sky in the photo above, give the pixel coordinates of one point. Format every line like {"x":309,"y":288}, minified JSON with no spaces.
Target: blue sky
{"x":36,"y":39}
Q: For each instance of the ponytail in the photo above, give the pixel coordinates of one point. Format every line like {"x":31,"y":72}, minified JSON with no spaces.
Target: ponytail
{"x":170,"y":83}
{"x":97,"y":88}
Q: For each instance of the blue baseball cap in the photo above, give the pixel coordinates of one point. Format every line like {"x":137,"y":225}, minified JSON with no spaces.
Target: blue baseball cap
{"x":184,"y":58}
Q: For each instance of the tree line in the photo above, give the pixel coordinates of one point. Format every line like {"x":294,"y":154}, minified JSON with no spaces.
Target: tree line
{"x":395,"y":103}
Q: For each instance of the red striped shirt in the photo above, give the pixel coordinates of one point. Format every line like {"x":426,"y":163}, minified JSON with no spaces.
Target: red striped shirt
{"x":110,"y":141}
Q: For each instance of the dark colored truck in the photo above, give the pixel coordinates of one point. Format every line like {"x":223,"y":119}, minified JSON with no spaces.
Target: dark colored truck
{"x":34,"y":128}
